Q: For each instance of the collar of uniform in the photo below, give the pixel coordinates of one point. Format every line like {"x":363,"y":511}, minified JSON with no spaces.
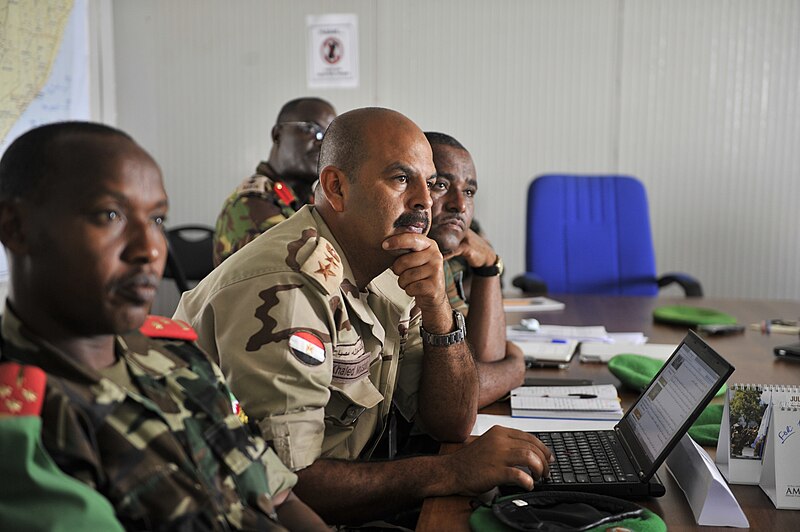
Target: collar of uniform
{"x":22,"y":345}
{"x":145,"y":357}
{"x":348,"y":288}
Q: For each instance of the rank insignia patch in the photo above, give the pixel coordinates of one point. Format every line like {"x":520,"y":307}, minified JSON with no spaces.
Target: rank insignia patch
{"x":307,"y":348}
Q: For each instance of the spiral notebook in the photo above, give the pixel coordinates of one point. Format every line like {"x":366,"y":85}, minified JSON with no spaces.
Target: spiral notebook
{"x":780,"y":474}
{"x":745,"y":421}
{"x":758,"y":441}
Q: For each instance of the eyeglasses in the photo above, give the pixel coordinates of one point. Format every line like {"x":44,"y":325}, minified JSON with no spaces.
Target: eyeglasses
{"x":310,"y":128}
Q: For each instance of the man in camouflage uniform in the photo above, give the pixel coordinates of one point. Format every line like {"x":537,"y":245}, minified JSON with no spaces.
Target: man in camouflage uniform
{"x":145,"y":419}
{"x":501,"y":366}
{"x":282,"y":184}
{"x":326,"y":322}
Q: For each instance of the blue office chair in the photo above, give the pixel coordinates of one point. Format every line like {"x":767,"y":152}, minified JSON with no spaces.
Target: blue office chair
{"x":591,"y":235}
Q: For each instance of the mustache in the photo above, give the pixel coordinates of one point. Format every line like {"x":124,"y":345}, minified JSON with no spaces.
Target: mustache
{"x":413,"y":218}
{"x":448,"y":217}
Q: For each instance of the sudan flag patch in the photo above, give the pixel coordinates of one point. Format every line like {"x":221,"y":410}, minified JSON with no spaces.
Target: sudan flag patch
{"x":307,"y":348}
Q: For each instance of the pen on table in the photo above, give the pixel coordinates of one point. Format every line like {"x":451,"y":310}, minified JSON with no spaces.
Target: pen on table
{"x":571,"y":395}
{"x":558,"y":341}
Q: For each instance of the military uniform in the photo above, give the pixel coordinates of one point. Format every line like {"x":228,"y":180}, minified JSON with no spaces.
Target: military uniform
{"x":257,"y":204}
{"x":316,"y":361}
{"x":454,"y":285}
{"x":165,"y":447}
{"x":34,"y":494}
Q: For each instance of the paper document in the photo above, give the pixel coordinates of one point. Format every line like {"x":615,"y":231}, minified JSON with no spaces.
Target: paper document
{"x":566,"y":402}
{"x":602,"y":352}
{"x":531,"y":304}
{"x":547,"y":351}
{"x":486,"y":421}
{"x":602,"y":391}
{"x":557,"y":332}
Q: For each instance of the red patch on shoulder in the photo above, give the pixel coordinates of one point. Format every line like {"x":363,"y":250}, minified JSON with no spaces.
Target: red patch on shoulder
{"x":21,"y":389}
{"x":161,"y":327}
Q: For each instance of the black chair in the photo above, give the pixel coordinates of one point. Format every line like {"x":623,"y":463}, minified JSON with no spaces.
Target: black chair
{"x":190,"y":254}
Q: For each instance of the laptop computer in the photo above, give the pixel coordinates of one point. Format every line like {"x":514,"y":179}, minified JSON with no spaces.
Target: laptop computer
{"x":622,"y":462}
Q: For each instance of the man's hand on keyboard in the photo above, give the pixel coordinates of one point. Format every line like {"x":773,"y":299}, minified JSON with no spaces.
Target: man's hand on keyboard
{"x":490,"y":461}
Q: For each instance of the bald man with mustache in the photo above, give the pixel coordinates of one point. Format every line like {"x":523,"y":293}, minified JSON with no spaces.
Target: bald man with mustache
{"x":336,"y":320}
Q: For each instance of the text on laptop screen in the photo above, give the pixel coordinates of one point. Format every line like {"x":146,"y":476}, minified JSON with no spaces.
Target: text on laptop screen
{"x":670,"y":400}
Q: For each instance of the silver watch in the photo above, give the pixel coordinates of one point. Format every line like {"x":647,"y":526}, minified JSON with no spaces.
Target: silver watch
{"x":443,"y":340}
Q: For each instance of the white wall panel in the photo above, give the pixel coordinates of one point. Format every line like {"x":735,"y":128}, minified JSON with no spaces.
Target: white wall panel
{"x":709,"y":122}
{"x":527,"y":86}
{"x":201,"y":82}
{"x":698,"y":99}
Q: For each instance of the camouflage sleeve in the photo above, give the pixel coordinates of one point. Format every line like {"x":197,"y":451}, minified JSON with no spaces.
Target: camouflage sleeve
{"x":272,"y":337}
{"x":243,"y":218}
{"x":279,"y":477}
{"x":410,"y":369}
{"x":452,"y":286}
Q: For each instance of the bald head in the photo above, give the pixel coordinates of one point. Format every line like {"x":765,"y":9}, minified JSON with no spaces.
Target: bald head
{"x":346,"y":144}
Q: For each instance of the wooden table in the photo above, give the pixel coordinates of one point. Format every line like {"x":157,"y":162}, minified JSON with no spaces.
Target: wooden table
{"x":751,"y":354}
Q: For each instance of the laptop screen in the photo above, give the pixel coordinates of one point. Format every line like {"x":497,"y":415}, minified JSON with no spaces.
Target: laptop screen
{"x":673,"y":400}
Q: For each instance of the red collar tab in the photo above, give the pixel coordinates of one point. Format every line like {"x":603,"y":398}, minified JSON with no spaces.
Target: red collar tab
{"x":161,"y":327}
{"x":284,"y":192}
{"x":21,"y":389}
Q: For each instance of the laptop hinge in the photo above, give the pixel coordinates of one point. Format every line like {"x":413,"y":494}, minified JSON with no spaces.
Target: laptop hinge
{"x":629,"y":452}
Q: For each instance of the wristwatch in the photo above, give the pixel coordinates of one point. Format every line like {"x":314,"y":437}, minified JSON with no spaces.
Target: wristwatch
{"x":443,"y":340}
{"x":490,"y":271}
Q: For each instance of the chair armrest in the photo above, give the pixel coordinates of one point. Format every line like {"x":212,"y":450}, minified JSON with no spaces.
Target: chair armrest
{"x":691,"y":286}
{"x":530,"y":283}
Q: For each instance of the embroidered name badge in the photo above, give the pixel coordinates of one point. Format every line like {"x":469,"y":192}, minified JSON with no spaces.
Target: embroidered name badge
{"x":307,"y":348}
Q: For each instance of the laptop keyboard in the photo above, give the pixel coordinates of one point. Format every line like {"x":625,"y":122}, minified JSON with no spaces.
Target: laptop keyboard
{"x":584,"y":457}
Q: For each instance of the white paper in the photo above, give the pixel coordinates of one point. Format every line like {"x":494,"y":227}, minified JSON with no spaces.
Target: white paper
{"x":486,"y":421}
{"x":531,"y":304}
{"x":547,"y":333}
{"x":603,"y":352}
{"x":332,"y":51}
{"x":709,"y":496}
{"x":548,"y":351}
{"x":604,"y":391}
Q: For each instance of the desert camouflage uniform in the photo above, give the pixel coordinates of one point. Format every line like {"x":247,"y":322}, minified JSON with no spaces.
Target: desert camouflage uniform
{"x":263,"y":310}
{"x":169,"y":454}
{"x":250,"y":210}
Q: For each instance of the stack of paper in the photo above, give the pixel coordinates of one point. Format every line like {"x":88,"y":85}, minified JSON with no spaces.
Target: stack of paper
{"x":556,"y":353}
{"x":597,"y":333}
{"x":531,"y":304}
{"x":566,"y":402}
{"x":603,"y":352}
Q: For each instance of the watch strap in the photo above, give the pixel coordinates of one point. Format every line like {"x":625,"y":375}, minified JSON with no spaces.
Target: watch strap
{"x":444,"y":340}
{"x":490,"y":271}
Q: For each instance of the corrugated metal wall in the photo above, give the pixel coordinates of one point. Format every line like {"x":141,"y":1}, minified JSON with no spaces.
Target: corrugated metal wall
{"x":698,"y":99}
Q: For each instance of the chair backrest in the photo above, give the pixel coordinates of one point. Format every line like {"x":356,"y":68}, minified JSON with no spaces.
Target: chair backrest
{"x":190,"y":254}
{"x":590,"y":235}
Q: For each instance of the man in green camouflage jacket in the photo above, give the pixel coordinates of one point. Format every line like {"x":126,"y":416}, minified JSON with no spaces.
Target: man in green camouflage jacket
{"x":145,"y":419}
{"x":500,"y":364}
{"x":282,"y":184}
{"x":328,"y":321}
